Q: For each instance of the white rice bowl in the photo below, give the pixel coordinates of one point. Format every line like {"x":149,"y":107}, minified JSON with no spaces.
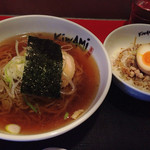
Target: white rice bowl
{"x":119,"y":40}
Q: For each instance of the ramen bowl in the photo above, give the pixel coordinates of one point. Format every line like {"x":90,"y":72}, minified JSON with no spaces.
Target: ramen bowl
{"x":119,"y":40}
{"x":78,"y":35}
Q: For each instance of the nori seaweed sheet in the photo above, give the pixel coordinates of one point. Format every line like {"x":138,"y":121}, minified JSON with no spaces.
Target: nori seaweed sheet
{"x":43,"y":68}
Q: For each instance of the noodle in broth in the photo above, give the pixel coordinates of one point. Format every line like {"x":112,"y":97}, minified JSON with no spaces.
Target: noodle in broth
{"x":50,"y":112}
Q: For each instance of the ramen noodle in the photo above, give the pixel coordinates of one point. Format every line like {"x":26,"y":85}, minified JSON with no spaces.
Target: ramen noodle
{"x":37,"y":114}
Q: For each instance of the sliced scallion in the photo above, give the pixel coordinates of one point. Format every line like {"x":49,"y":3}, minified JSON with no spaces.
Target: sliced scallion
{"x":66,"y":116}
{"x":30,"y":105}
{"x":13,"y":128}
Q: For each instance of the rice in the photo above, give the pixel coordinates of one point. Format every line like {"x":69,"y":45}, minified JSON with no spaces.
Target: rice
{"x":125,"y":66}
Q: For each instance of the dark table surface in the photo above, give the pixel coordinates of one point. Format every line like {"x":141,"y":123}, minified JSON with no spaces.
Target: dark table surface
{"x":120,"y":123}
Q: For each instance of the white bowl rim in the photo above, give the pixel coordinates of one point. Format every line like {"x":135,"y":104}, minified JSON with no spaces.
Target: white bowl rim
{"x":60,"y":131}
{"x":105,"y":41}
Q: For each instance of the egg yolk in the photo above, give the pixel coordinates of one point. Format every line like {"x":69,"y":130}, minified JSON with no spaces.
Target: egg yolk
{"x":146,"y":58}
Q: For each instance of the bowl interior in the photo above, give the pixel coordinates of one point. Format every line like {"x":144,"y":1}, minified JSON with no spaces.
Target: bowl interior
{"x":123,"y":37}
{"x":40,"y":23}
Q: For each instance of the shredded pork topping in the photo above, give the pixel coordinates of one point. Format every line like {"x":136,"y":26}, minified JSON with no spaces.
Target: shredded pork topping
{"x":126,"y":65}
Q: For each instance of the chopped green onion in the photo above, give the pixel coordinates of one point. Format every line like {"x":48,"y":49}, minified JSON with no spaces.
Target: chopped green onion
{"x":77,"y":113}
{"x":8,"y":79}
{"x":14,"y":69}
{"x":13,"y":128}
{"x":30,"y":105}
{"x":66,"y":116}
{"x":37,"y":107}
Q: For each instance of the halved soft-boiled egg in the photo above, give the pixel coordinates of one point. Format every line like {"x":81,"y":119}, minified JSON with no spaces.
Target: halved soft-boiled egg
{"x":143,"y":58}
{"x":68,"y":68}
